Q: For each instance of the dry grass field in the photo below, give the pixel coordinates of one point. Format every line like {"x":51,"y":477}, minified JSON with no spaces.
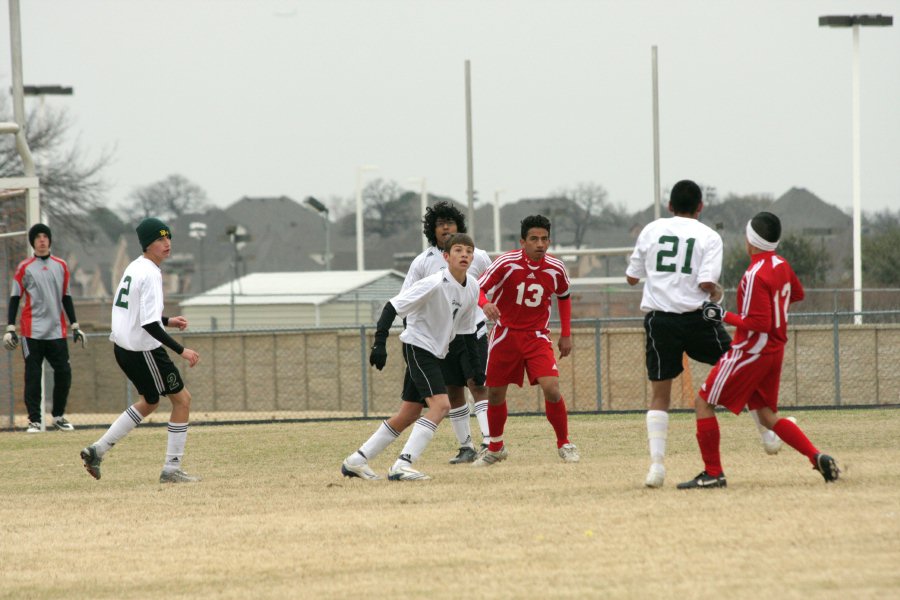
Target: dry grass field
{"x":274,"y":519}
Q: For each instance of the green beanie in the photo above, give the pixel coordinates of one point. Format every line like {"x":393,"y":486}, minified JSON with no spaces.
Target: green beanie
{"x":151,"y":229}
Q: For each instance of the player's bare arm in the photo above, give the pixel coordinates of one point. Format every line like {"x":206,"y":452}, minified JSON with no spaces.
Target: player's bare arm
{"x":715,"y":291}
{"x":179,"y":322}
{"x":491,"y":311}
{"x":191,"y":356}
{"x":565,"y":346}
{"x":632,"y":280}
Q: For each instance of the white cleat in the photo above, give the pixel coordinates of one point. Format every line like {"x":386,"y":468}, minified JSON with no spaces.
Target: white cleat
{"x":656,"y":476}
{"x":488,"y":458}
{"x":406,"y":474}
{"x":771,"y":442}
{"x":569,"y":453}
{"x":362,"y":471}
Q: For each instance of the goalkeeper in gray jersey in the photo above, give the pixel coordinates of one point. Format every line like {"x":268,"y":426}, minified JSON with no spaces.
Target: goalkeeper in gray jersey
{"x":41,"y":287}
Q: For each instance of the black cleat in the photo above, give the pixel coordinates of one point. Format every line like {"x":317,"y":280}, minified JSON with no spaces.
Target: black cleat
{"x":91,"y":461}
{"x":466,"y":454}
{"x":827,"y":467}
{"x":704,"y":480}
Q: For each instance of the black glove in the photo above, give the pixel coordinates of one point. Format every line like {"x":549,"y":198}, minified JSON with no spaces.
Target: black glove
{"x":712,"y":312}
{"x":10,"y":339}
{"x":378,"y":355}
{"x":77,"y":336}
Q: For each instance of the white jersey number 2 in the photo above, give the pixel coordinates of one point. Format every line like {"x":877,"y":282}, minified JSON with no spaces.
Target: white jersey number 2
{"x":535,"y":291}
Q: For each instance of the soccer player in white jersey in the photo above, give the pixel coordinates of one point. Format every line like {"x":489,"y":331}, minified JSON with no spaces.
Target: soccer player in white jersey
{"x":440,"y":222}
{"x":680,"y":259}
{"x":138,"y":337}
{"x":43,"y":282}
{"x":437,"y":309}
{"x":520,"y":285}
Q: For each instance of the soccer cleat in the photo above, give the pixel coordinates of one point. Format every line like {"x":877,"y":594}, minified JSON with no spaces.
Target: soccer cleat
{"x":362,"y":471}
{"x":33,"y":427}
{"x":703,"y":480}
{"x":177,"y":476}
{"x":466,"y":454}
{"x":62,"y":424}
{"x":771,"y":442}
{"x":656,"y":476}
{"x":569,"y":453}
{"x":91,"y":461}
{"x":489,"y":458}
{"x":827,"y":466}
{"x":406,"y":474}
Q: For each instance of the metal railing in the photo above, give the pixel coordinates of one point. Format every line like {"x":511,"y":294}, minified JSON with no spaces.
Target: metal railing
{"x":319,"y":372}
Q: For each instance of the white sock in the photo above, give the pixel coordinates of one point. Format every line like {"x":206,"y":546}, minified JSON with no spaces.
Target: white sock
{"x":381,"y":439}
{"x":657,"y":432}
{"x":175,"y":446}
{"x":459,"y":419}
{"x":767,"y":435}
{"x":127,"y":421}
{"x":421,"y":435}
{"x":481,"y":416}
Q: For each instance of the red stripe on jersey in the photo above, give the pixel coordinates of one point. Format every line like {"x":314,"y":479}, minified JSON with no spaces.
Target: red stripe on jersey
{"x":25,"y":319}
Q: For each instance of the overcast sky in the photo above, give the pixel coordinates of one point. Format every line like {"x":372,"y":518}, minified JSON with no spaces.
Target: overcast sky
{"x":290,"y":97}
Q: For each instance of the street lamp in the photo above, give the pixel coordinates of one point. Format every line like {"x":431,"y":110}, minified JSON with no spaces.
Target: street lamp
{"x":497,"y":220}
{"x":41,"y":91}
{"x":423,"y":204}
{"x":198,"y":232}
{"x":323,"y":210}
{"x":238,"y":236}
{"x":855,"y":21}
{"x":360,"y":262}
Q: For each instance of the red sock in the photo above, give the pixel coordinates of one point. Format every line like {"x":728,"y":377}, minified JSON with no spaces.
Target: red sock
{"x":496,"y":414}
{"x":559,"y":418}
{"x":708,"y":440}
{"x":794,"y":437}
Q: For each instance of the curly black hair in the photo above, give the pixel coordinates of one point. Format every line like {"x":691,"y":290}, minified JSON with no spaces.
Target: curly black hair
{"x":533,"y":221}
{"x":441,"y":210}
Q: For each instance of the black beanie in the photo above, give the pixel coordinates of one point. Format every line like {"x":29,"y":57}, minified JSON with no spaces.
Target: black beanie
{"x":151,"y":229}
{"x":35,"y":230}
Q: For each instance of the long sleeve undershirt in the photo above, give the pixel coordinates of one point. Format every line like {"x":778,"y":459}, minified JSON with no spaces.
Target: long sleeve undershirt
{"x":156,"y":330}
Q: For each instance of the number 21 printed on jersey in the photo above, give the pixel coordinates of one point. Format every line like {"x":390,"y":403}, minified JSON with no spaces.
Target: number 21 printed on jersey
{"x":667,"y":257}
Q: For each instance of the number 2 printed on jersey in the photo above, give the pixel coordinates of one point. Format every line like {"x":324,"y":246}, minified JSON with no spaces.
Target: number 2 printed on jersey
{"x":122,"y":296}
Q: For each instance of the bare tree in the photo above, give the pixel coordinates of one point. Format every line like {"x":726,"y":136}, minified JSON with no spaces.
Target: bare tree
{"x":386,"y":207}
{"x":167,"y":199}
{"x":586,"y":206}
{"x":71,"y":184}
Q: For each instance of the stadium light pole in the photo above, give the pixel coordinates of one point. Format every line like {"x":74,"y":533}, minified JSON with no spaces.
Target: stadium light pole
{"x":423,"y":202}
{"x":497,"y":220}
{"x":657,"y":206}
{"x":198,"y":232}
{"x":323,"y":210}
{"x":360,"y":262}
{"x":855,"y":22}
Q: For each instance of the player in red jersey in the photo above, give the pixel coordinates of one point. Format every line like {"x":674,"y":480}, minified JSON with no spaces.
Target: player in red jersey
{"x":520,"y":284}
{"x":749,"y":374}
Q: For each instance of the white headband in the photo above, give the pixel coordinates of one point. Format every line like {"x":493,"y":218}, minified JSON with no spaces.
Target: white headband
{"x":756,"y":240}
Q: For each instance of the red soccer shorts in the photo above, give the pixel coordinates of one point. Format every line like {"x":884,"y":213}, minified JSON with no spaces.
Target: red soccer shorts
{"x":740,"y":379}
{"x":512,"y":352}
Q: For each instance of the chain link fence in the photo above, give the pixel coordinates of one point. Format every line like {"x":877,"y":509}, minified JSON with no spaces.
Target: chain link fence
{"x":323,"y":373}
